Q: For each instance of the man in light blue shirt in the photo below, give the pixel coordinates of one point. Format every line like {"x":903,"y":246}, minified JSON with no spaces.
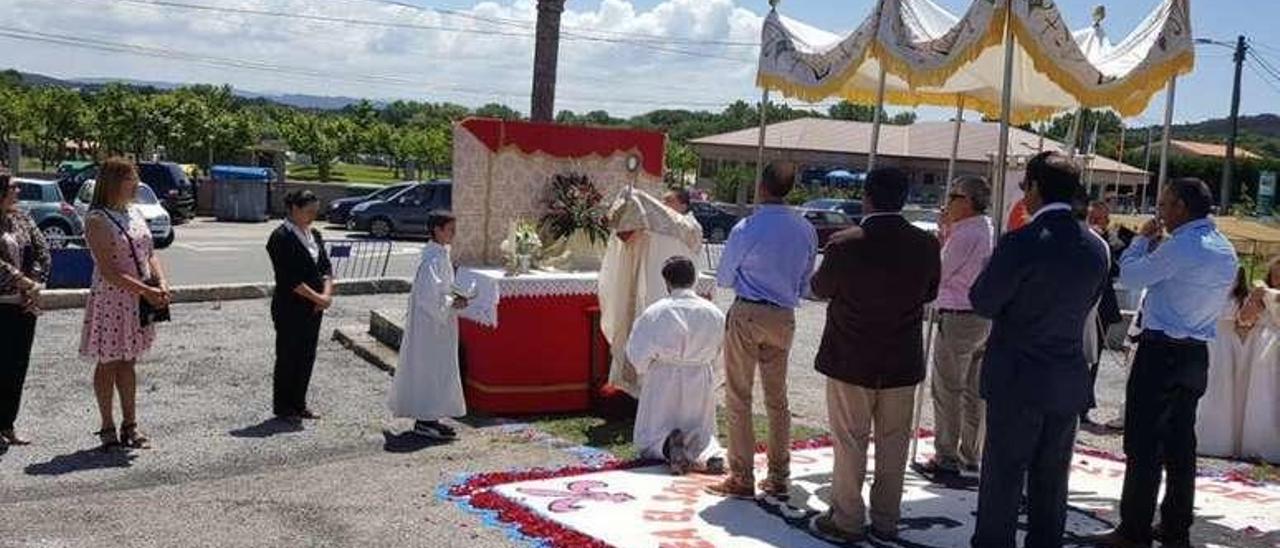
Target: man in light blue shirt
{"x":1188,"y":277}
{"x":767,"y":261}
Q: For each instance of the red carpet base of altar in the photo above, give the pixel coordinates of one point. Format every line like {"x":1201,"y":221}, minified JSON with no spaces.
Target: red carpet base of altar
{"x":647,"y":507}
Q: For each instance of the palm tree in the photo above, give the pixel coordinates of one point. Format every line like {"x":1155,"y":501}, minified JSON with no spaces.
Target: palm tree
{"x":545,"y":57}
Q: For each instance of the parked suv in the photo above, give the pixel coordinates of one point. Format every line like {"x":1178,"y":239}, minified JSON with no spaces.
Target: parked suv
{"x":404,"y":213}
{"x":167,"y":179}
{"x":340,"y":209}
{"x":51,"y":213}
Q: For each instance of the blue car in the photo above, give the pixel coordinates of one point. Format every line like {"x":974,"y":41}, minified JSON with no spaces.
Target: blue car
{"x":340,"y":210}
{"x":404,"y":213}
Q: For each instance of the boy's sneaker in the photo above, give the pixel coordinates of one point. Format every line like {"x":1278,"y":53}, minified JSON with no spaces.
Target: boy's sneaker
{"x":434,"y":430}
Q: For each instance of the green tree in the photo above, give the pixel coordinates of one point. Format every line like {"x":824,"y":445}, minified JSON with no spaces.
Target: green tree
{"x":321,"y":138}
{"x":495,"y":110}
{"x":13,"y":116}
{"x":55,"y":119}
{"x":681,"y":161}
{"x":123,"y":119}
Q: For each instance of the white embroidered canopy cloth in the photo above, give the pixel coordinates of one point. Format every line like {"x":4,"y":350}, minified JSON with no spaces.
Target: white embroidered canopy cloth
{"x":933,"y":57}
{"x":491,"y":285}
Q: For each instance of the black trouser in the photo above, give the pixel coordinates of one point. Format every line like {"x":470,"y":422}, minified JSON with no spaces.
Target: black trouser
{"x":297,"y":334}
{"x":18,"y":331}
{"x":1031,"y":447}
{"x":1165,"y":386}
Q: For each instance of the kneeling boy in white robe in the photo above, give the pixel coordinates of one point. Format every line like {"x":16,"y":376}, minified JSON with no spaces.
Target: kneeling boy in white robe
{"x":674,"y":346}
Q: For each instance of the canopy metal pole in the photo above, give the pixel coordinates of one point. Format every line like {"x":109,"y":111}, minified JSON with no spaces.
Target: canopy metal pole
{"x":1074,"y":134}
{"x":1006,"y":105}
{"x":875,"y":122}
{"x":1168,"y":129}
{"x":764,"y":109}
{"x":955,"y":147}
{"x":1121,"y":158}
{"x":1090,"y":155}
{"x":1146,"y":168}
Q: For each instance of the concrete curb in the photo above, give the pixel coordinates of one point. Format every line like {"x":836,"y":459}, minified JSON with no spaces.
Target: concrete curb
{"x":367,"y":348}
{"x":62,"y":299}
{"x":384,"y":328}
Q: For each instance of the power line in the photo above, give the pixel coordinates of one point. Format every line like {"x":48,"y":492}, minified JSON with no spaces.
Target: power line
{"x":1272,"y":82}
{"x":133,"y":49}
{"x":419,"y":26}
{"x":529,"y":24}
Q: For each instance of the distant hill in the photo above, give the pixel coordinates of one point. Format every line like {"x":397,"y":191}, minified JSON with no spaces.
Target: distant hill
{"x":1259,"y":134}
{"x":291,"y":99}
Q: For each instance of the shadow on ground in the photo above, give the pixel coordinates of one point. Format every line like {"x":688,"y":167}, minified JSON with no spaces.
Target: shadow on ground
{"x":81,"y":461}
{"x":267,"y":428}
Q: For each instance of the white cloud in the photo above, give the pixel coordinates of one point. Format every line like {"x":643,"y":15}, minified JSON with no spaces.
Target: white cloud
{"x":490,"y":62}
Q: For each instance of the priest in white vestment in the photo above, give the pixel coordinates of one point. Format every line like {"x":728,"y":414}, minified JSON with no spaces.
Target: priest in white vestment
{"x":428,"y":384}
{"x":645,"y":233}
{"x":675,"y":346}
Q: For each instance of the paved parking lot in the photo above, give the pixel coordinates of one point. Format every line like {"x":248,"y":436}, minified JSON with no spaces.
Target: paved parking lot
{"x":211,"y":252}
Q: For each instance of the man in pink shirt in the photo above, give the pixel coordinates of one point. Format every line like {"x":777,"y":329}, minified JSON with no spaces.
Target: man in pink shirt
{"x":957,"y":408}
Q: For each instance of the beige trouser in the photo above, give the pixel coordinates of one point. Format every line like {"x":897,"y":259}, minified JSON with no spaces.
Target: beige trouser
{"x":758,"y":335}
{"x":958,"y":409}
{"x":854,"y":412}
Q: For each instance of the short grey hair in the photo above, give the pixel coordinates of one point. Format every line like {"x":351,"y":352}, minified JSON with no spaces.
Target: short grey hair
{"x":977,"y":189}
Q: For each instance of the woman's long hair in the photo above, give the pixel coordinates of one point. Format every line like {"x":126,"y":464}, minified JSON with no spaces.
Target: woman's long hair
{"x":112,"y":175}
{"x":1240,"y":291}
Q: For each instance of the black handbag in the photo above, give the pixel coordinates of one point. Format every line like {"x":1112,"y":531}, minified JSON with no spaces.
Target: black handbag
{"x":147,"y":314}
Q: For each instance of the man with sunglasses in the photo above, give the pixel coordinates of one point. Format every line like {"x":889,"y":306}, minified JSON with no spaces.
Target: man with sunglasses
{"x":962,"y":334}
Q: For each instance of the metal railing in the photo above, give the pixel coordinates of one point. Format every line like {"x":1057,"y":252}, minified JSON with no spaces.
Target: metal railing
{"x":353,"y":259}
{"x":712,"y":252}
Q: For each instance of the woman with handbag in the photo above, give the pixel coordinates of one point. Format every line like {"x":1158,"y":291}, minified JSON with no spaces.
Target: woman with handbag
{"x":304,"y":290}
{"x":24,"y":266}
{"x":129,"y":294}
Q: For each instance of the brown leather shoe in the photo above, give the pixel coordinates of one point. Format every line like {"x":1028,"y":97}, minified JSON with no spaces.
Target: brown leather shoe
{"x":732,"y":488}
{"x":774,"y":487}
{"x":1113,"y":539}
{"x":826,"y":526}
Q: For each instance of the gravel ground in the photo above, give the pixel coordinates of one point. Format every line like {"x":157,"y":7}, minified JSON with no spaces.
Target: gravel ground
{"x":221,"y":474}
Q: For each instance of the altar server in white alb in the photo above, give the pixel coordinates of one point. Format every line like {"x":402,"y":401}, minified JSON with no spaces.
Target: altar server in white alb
{"x":428,"y":385}
{"x":674,"y":346}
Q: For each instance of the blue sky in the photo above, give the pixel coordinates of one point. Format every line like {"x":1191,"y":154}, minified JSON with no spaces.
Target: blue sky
{"x":485,"y":52}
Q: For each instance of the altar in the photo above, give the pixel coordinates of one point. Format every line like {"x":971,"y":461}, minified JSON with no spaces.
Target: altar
{"x":531,"y":343}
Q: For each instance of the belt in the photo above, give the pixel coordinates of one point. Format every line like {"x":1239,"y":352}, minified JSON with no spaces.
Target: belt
{"x":945,"y":311}
{"x":1153,"y":335}
{"x":759,"y":302}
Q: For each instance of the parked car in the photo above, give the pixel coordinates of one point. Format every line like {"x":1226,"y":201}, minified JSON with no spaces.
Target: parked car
{"x":716,"y":221}
{"x":851,"y":208}
{"x":923,"y":218}
{"x":158,"y":219}
{"x":52,"y":214}
{"x":340,"y":209}
{"x":827,"y":222}
{"x":405,"y":212}
{"x":167,"y":180}
{"x":72,"y":176}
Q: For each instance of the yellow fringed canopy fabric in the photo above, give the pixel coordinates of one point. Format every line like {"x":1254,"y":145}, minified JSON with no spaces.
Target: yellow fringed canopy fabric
{"x":932,"y":57}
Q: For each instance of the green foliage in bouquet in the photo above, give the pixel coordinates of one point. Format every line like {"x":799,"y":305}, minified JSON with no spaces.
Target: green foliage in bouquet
{"x":575,"y":204}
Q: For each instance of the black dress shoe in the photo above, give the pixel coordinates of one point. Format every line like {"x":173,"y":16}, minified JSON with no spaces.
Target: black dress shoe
{"x":1113,"y":539}
{"x":308,"y":414}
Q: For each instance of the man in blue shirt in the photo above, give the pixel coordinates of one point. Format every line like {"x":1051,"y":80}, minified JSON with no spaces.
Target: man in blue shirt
{"x":1188,"y":276}
{"x":767,"y":261}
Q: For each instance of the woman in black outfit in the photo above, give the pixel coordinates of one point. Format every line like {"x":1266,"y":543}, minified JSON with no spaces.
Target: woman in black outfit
{"x":304,"y":290}
{"x":24,"y":266}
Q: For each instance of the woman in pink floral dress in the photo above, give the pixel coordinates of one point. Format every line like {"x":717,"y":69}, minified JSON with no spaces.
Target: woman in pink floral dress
{"x":113,"y":336}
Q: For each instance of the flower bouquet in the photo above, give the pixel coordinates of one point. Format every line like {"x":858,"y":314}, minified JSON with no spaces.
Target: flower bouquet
{"x":521,"y":246}
{"x":576,"y":222}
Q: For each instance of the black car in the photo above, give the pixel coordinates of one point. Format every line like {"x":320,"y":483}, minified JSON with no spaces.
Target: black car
{"x":403,"y":213}
{"x":716,"y":222}
{"x":166,"y":179}
{"x":340,"y":209}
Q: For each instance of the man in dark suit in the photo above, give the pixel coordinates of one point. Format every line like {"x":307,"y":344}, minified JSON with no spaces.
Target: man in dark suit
{"x":1041,"y":283}
{"x":878,"y":278}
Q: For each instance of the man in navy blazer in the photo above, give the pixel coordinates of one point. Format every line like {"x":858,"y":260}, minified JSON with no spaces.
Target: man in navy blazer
{"x":1038,"y":288}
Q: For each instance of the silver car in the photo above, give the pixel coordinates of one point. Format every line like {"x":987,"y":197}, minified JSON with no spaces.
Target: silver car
{"x":158,"y":220}
{"x":42,"y":200}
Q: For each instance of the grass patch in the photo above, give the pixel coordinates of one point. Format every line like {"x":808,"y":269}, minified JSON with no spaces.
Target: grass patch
{"x":614,"y":434}
{"x":345,"y":173}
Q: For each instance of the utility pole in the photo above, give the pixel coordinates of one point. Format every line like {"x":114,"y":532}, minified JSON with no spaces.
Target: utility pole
{"x":546,"y":55}
{"x":1229,"y":165}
